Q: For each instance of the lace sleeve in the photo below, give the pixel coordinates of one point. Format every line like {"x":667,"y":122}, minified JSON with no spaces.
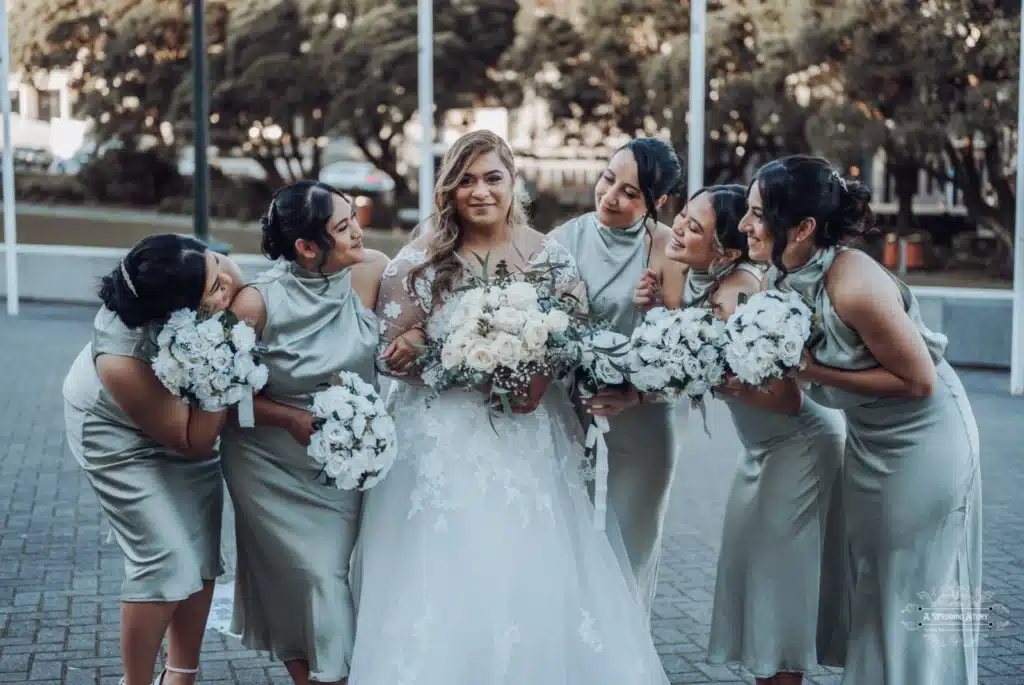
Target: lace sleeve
{"x":401,"y":308}
{"x":568,"y":282}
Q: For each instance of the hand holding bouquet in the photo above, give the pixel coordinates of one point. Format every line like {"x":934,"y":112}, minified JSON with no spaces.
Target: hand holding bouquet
{"x":355,"y":441}
{"x":766,"y":337}
{"x":211,"y":364}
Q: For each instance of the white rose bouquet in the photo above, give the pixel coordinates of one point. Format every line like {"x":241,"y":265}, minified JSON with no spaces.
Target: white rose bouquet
{"x":766,"y":337}
{"x":678,"y":353}
{"x":211,"y":363}
{"x":503,"y":332}
{"x":354,"y":442}
{"x":601,"y":367}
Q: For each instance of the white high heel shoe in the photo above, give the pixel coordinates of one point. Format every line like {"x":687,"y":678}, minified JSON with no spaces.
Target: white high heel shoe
{"x":159,"y":680}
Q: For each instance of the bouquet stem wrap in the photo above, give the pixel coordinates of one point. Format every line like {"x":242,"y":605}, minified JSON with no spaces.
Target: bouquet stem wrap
{"x":595,"y":441}
{"x":246,"y":419}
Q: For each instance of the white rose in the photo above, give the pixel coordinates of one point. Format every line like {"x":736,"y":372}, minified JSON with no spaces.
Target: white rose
{"x":522,"y":296}
{"x":507,"y":350}
{"x":221,"y":359}
{"x":493,"y":298}
{"x":362,"y":405}
{"x":656,"y":314}
{"x":181,"y":319}
{"x":651,"y":334}
{"x":358,"y":425}
{"x":335,"y":468}
{"x":557,"y":321}
{"x":790,"y":352}
{"x":535,"y":334}
{"x":383,"y":427}
{"x":509,"y":320}
{"x":257,"y":378}
{"x":243,"y":336}
{"x":650,"y":378}
{"x":203,"y":390}
{"x":691,"y":367}
{"x":707,"y":354}
{"x":337,"y":433}
{"x":606,"y":372}
{"x":649,"y":353}
{"x":211,"y":331}
{"x":243,"y":365}
{"x":168,"y":369}
{"x":220,"y":382}
{"x":319,"y":448}
{"x":751,"y":334}
{"x":481,"y":358}
{"x":235,"y":394}
{"x":696,"y":388}
{"x":452,"y":356}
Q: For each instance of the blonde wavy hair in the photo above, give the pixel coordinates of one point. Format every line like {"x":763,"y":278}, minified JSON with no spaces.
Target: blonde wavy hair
{"x":446,"y":232}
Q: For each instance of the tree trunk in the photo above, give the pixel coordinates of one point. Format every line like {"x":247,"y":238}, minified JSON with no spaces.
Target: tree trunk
{"x":905,"y":175}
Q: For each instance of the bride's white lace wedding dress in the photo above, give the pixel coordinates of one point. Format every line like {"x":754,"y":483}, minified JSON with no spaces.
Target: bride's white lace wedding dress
{"x":478,"y":561}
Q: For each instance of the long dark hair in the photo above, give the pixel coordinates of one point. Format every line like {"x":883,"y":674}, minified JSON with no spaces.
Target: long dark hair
{"x":161,"y":274}
{"x":801,"y":187}
{"x":300,"y":211}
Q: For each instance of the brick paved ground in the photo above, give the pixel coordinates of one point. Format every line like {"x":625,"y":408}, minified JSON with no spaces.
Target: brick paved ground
{"x":59,"y":579}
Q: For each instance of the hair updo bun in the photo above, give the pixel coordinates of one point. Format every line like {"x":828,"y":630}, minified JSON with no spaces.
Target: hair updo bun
{"x":161,"y":274}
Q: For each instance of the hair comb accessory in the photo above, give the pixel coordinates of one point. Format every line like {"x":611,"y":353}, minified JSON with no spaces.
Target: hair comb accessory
{"x":127,"y":279}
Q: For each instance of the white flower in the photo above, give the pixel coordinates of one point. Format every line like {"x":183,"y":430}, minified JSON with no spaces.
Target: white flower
{"x":521,"y":295}
{"x":481,"y":358}
{"x":258,"y":377}
{"x":243,"y":366}
{"x":211,"y":332}
{"x":220,"y":359}
{"x":509,"y":320}
{"x":650,"y":378}
{"x":606,"y":372}
{"x":507,"y":350}
{"x":181,"y":319}
{"x":557,"y":321}
{"x":535,"y":334}
{"x":243,"y":336}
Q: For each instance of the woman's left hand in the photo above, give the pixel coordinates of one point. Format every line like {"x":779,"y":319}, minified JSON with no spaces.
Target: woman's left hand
{"x":648,"y":294}
{"x":528,"y":403}
{"x":732,"y":387}
{"x":805,"y":370}
{"x":611,"y":402}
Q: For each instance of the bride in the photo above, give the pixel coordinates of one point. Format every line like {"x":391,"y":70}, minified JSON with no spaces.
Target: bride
{"x":478,"y":560}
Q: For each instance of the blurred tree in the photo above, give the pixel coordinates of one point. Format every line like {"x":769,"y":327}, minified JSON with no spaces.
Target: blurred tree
{"x":284,"y":73}
{"x":625,"y":69}
{"x":933,"y":83}
{"x":369,"y":68}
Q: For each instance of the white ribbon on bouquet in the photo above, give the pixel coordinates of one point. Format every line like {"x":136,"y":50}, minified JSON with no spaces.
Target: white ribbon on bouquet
{"x":595,"y":441}
{"x":246,"y":419}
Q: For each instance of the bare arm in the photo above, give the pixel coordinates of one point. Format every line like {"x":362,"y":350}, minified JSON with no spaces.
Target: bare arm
{"x":868,"y":301}
{"x":782,"y":396}
{"x":671,"y":275}
{"x":249,"y":306}
{"x":159,"y":414}
{"x":366,"y":277}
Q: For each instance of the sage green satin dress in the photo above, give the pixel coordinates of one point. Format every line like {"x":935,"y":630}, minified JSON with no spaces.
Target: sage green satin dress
{"x":164,"y":508}
{"x":775,"y":530}
{"x":295,"y":535}
{"x":910,"y":497}
{"x":641,"y":442}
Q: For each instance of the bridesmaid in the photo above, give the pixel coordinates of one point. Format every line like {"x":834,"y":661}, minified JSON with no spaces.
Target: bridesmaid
{"x":149,"y":457}
{"x":615,"y":246}
{"x":766,"y":593}
{"x":911,"y":485}
{"x":313,"y":314}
